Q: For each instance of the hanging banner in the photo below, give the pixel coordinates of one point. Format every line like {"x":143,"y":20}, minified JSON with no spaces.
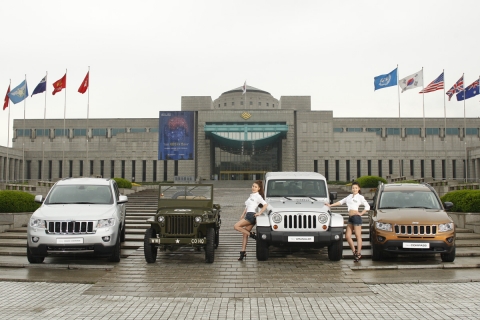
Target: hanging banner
{"x":176,"y":135}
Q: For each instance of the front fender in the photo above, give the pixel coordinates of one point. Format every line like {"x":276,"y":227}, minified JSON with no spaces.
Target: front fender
{"x":337,"y":220}
{"x":263,"y":221}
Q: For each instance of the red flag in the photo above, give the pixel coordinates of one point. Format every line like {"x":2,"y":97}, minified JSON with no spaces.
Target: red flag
{"x":5,"y":102}
{"x":84,"y":86}
{"x":60,"y":84}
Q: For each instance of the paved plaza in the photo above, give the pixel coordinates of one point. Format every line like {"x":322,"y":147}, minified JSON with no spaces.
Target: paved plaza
{"x":292,"y":284}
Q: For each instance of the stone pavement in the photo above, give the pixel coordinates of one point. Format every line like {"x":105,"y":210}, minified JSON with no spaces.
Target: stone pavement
{"x":290,"y":285}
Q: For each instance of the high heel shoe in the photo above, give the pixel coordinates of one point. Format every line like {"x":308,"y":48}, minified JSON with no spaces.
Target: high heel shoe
{"x":243,"y":254}
{"x":253,"y":235}
{"x":357,"y":256}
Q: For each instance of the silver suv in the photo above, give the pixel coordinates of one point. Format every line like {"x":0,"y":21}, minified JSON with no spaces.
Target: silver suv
{"x":79,"y":215}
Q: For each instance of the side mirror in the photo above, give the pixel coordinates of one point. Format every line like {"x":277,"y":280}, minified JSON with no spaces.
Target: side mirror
{"x":371,"y":204}
{"x":122,"y":199}
{"x":448,"y":205}
{"x":333,"y":195}
{"x":39,"y":198}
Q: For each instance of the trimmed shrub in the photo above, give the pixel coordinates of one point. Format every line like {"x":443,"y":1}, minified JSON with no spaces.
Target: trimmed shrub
{"x":17,"y":201}
{"x":122,"y":183}
{"x":370,"y":181}
{"x":463,"y":200}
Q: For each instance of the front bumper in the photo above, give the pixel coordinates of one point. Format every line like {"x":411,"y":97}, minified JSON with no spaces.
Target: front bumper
{"x":49,"y":244}
{"x":304,"y":239}
{"x":417,"y":246}
{"x":179,"y":241}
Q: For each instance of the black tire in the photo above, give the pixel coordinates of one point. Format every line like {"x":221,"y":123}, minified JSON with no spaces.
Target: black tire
{"x":117,"y":250}
{"x":262,"y":249}
{"x":33,"y":259}
{"x":377,"y":254}
{"x":210,"y":246}
{"x":448,"y":257}
{"x":181,"y":193}
{"x":335,"y":250}
{"x":122,"y":234}
{"x":150,"y":250}
{"x":217,"y":238}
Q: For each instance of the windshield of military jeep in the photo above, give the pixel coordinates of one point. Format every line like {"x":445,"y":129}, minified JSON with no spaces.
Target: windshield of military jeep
{"x":409,"y":199}
{"x":186,"y":192}
{"x":80,"y":194}
{"x":296,"y":188}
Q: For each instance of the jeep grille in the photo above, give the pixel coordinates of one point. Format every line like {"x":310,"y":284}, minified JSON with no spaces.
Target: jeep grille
{"x":179,"y":225}
{"x":300,"y":221}
{"x":70,"y":227}
{"x":415,"y":230}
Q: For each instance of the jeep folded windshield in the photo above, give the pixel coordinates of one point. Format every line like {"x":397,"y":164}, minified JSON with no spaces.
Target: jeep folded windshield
{"x":296,"y":188}
{"x":80,"y":194}
{"x":417,"y":199}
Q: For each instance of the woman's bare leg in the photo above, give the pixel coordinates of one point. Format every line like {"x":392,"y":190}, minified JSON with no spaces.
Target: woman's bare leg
{"x":348,"y":236}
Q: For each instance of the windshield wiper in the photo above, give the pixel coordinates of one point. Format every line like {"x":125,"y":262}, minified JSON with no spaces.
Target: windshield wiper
{"x":287,"y":198}
{"x":388,"y":208}
{"x":313,"y":198}
{"x":422,"y":207}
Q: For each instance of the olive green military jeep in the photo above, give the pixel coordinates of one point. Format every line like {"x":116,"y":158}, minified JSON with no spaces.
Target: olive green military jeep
{"x":186,"y":216}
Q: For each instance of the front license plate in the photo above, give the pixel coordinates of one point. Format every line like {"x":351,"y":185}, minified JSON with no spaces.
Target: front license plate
{"x":70,"y":241}
{"x":198,"y":241}
{"x":300,"y":239}
{"x":413,"y":245}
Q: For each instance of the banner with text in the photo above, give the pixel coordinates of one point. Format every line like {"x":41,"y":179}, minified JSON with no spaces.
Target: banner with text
{"x":176,"y":135}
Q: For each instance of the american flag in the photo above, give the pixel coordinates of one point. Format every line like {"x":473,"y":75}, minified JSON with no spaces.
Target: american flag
{"x":457,"y":87}
{"x":435,"y":85}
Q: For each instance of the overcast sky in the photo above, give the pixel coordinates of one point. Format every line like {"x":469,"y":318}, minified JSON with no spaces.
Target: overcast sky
{"x":144,"y":55}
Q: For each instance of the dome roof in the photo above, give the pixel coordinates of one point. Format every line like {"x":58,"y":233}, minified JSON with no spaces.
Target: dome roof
{"x":249,"y":89}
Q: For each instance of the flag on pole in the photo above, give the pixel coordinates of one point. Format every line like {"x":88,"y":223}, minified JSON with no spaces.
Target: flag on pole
{"x":412,"y":81}
{"x":244,"y":87}
{"x":470,"y":91}
{"x":385,"y":80}
{"x":84,"y":86}
{"x":456,"y":88}
{"x":19,"y":93}
{"x":5,"y":101}
{"x":41,"y":87}
{"x":435,"y":85}
{"x":60,"y":84}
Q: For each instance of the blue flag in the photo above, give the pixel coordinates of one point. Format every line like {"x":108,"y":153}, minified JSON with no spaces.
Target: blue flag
{"x":470,"y":91}
{"x":386,"y":80}
{"x":41,"y":87}
{"x":19,"y":93}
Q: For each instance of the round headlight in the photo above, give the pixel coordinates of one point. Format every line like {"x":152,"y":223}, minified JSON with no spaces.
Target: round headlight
{"x":277,"y":218}
{"x":323,"y":218}
{"x":161,"y":219}
{"x":198,"y":219}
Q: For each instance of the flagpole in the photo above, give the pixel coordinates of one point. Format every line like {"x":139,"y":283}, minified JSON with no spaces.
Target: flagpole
{"x":23,"y":140}
{"x":88,"y":111}
{"x":64,"y":132}
{"x":465,"y":135}
{"x":44,"y":117}
{"x":7,"y":173}
{"x":401,"y":131}
{"x":445,"y":130}
{"x":424,"y":134}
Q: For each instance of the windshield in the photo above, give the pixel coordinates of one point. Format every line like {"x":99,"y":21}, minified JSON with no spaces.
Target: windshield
{"x":409,"y":199}
{"x":296,"y":188}
{"x":80,"y":194}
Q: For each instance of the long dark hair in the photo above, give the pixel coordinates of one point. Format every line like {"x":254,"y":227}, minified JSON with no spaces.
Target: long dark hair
{"x":260,"y":190}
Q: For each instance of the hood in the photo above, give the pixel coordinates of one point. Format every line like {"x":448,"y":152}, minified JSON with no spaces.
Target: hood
{"x":75,"y":212}
{"x":297,"y":204}
{"x":413,"y":216}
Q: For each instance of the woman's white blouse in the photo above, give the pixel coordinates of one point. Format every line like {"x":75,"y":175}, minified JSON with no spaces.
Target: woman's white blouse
{"x":253,"y":201}
{"x":354,"y":202}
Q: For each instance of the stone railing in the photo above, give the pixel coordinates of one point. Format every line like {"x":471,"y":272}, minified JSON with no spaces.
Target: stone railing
{"x":21,"y":187}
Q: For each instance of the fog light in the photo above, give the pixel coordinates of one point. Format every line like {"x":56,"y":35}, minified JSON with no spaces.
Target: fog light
{"x":264,"y":237}
{"x":450,"y":239}
{"x":380,"y":239}
{"x":35,"y":239}
{"x":337,"y":237}
{"x":106,"y":239}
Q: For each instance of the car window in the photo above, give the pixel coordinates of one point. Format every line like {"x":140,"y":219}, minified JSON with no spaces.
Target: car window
{"x":409,"y":199}
{"x":80,"y":194}
{"x":296,"y":188}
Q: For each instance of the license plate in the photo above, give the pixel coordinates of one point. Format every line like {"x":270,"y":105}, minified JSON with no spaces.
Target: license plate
{"x":198,"y":241}
{"x":70,"y":241}
{"x":412,"y":245}
{"x":300,"y":239}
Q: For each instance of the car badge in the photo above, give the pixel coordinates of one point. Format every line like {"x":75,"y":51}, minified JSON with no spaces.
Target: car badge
{"x":414,"y":222}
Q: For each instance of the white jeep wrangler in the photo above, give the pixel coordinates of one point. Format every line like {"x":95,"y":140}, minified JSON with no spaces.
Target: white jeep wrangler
{"x":297,"y":214}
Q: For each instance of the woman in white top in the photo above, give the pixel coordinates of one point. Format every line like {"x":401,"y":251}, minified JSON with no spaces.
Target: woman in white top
{"x":249,"y":215}
{"x":354,"y":224}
